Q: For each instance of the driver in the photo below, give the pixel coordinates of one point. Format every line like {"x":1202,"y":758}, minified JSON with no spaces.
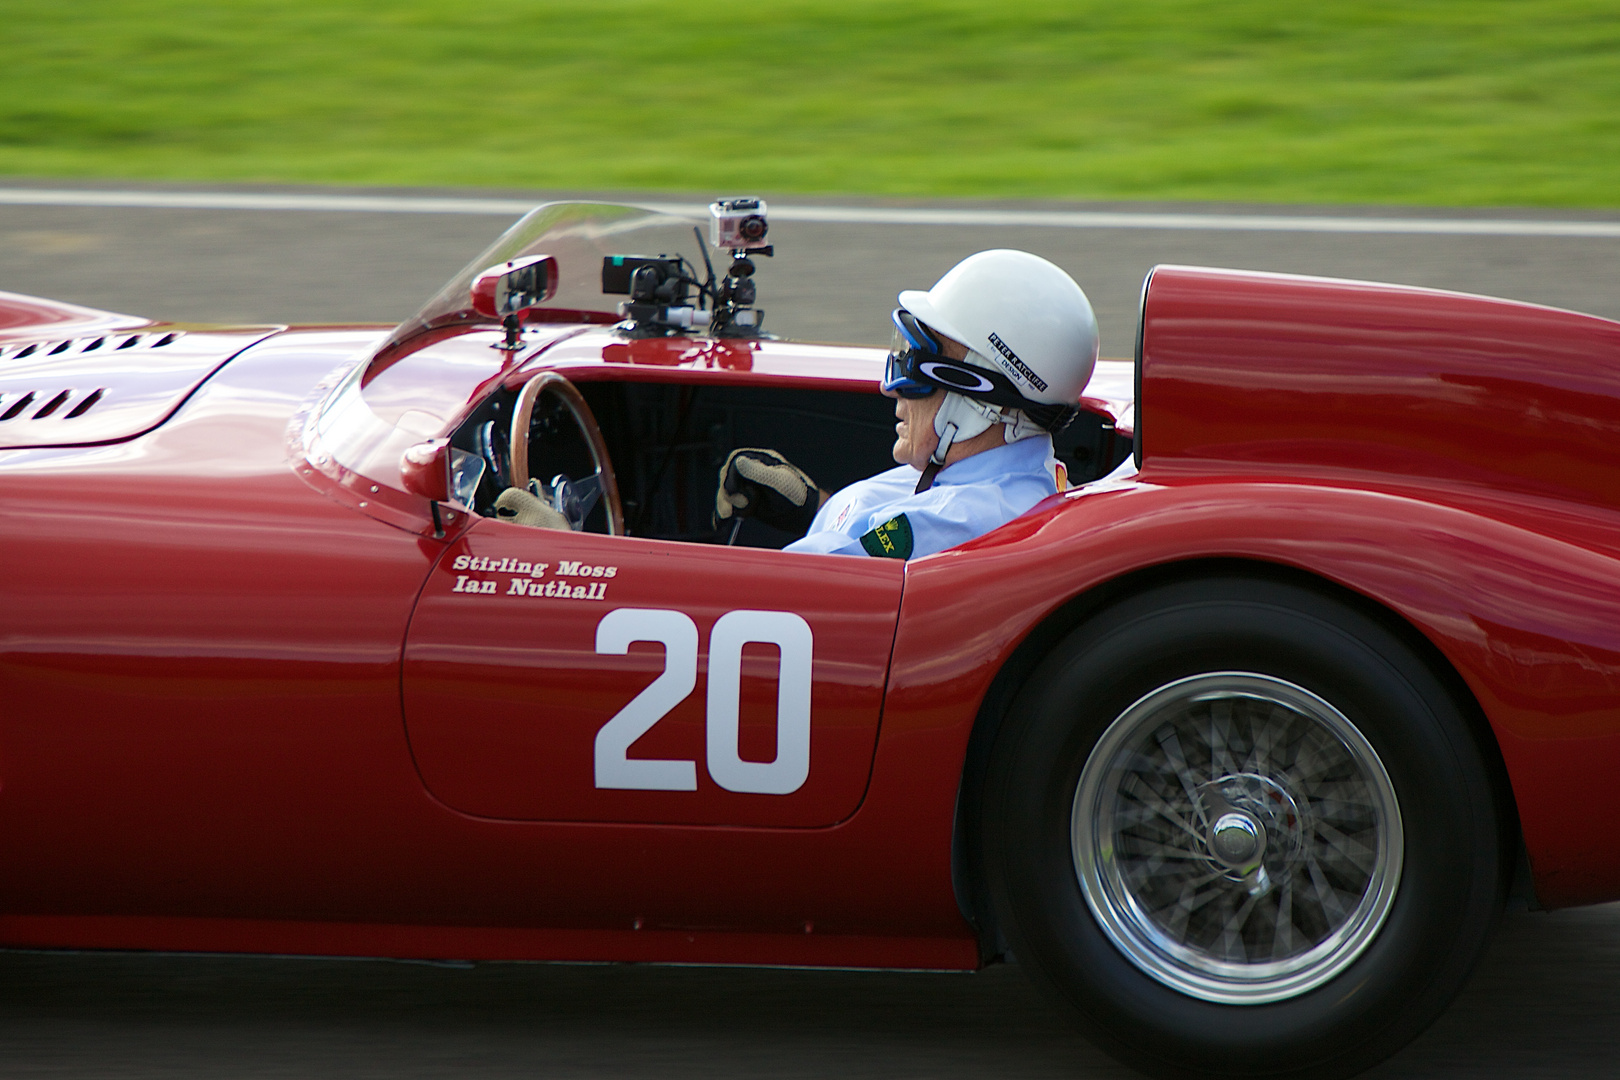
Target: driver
{"x":984,"y":367}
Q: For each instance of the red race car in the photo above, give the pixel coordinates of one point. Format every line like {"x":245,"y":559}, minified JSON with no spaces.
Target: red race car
{"x":1239,"y":756}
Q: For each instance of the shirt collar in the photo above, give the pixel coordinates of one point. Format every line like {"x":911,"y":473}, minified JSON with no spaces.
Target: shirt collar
{"x":1025,"y":455}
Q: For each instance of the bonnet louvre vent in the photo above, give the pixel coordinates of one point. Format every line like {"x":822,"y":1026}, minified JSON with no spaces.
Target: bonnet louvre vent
{"x":98,"y":342}
{"x":52,"y":405}
{"x":84,"y":406}
{"x":20,"y":404}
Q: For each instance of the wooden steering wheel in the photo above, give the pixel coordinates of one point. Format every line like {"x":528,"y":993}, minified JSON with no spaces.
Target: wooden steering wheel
{"x":550,"y":380}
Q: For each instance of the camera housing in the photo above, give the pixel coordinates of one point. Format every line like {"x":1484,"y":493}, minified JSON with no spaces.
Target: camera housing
{"x":737,"y":224}
{"x":657,"y":287}
{"x":645,"y":278}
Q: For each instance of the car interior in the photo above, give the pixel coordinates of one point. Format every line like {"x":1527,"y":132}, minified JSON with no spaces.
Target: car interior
{"x":667,"y":441}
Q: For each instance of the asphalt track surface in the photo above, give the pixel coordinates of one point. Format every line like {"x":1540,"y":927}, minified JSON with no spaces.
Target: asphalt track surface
{"x":1544,"y":1003}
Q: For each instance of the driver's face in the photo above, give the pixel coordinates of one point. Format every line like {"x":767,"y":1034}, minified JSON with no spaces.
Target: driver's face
{"x":915,"y":437}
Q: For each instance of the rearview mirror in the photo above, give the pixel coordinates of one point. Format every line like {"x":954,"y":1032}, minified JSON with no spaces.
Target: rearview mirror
{"x":439,"y":472}
{"x":425,"y":470}
{"x":514,"y":288}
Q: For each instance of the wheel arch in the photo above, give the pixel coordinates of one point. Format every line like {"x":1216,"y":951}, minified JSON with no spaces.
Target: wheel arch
{"x":967,"y":861}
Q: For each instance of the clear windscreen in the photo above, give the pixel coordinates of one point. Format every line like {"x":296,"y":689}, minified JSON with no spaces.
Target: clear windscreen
{"x":577,"y":235}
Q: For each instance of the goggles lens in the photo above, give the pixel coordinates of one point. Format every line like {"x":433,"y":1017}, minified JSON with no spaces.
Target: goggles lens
{"x":911,"y":344}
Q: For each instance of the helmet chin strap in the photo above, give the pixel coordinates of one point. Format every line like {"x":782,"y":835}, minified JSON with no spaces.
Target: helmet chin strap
{"x":958,"y":420}
{"x":936,"y":460}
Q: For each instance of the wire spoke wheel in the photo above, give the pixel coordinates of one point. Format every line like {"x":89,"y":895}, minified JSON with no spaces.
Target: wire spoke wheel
{"x":1243,"y":827}
{"x":1236,"y":837}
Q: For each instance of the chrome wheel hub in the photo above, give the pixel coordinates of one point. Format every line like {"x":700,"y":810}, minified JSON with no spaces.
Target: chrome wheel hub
{"x":1236,"y":837}
{"x":1237,"y":840}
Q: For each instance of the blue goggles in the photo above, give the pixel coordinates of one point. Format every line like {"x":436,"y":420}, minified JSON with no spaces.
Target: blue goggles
{"x":911,"y":345}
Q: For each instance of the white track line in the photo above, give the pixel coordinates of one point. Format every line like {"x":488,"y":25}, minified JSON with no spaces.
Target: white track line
{"x":840,"y":215}
{"x":228,"y":200}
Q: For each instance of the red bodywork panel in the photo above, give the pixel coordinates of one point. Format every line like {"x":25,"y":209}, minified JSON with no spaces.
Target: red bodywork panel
{"x":1306,"y":377}
{"x":248,"y":710}
{"x":505,"y":690}
{"x":27,"y":318}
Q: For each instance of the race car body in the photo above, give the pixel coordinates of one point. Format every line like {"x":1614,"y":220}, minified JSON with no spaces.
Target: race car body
{"x":1206,"y":747}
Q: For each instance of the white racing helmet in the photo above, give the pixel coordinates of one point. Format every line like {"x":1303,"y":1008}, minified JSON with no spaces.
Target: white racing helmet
{"x":1024,"y":319}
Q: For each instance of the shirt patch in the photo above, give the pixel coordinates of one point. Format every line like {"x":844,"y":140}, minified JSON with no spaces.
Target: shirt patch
{"x":890,"y":540}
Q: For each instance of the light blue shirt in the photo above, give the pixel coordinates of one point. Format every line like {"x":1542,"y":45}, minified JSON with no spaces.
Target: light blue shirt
{"x":967,"y":499}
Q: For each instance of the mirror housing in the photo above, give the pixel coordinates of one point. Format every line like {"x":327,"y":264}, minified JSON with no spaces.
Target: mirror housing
{"x":425,"y":470}
{"x":515,"y":288}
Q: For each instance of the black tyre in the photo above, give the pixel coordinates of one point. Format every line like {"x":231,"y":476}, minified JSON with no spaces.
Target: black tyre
{"x":1242,"y":830}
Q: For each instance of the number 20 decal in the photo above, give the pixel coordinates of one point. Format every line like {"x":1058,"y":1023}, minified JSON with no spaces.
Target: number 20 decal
{"x":678,"y":634}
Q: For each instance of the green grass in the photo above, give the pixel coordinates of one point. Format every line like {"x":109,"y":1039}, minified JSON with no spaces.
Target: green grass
{"x":1504,"y":102}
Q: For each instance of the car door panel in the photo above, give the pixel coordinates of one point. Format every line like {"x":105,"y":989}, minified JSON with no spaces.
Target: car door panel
{"x":555,"y":676}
